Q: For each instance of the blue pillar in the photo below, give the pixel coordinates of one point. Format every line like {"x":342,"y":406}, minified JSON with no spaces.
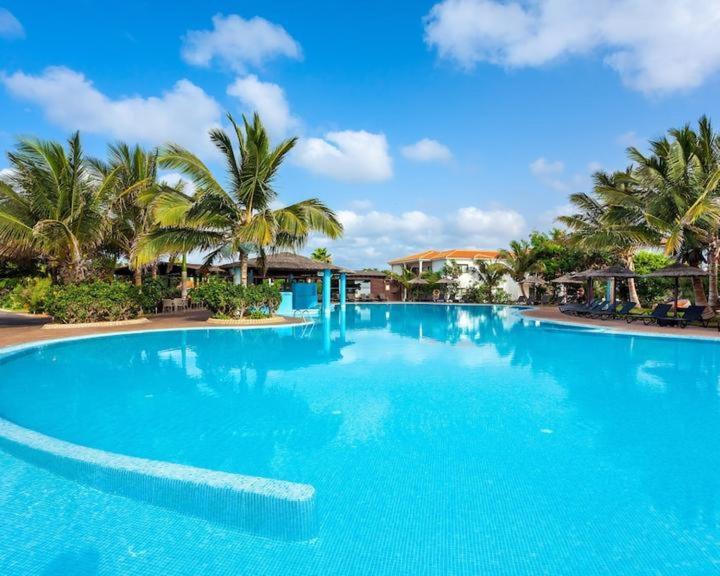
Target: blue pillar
{"x":327,"y":278}
{"x":236,"y":275}
{"x":343,"y":288}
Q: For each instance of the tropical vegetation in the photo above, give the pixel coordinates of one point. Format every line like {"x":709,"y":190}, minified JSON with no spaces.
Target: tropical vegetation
{"x":68,"y":220}
{"x":663,"y":207}
{"x":235,"y":301}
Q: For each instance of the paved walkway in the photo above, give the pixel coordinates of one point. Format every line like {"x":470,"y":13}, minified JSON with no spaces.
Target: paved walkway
{"x":552,"y":313}
{"x":20,"y":328}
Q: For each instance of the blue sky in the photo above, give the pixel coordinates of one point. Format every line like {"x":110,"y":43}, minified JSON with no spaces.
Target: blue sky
{"x":446,"y":124}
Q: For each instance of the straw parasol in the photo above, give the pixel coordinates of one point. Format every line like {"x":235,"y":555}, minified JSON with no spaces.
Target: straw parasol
{"x":444,"y":281}
{"x":534,"y":281}
{"x":418,"y":282}
{"x":677,"y":271}
{"x":612,"y":272}
{"x":571,"y":278}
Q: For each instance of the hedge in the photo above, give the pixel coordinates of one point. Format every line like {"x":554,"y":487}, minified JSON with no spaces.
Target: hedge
{"x":93,"y":302}
{"x":227,"y":300}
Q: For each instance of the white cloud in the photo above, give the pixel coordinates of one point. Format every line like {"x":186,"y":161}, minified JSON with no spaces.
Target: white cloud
{"x":594,"y":166}
{"x":544,"y":167}
{"x":10,"y":27}
{"x":239,"y":43}
{"x":427,"y":150}
{"x":487,"y":228}
{"x":549,"y":217}
{"x":175,"y":178}
{"x":6,"y":174}
{"x":361,"y":204}
{"x":268,"y":100}
{"x":182,"y":114}
{"x":655,"y":45}
{"x":373,"y":237}
{"x":628,"y":139}
{"x":350,"y":155}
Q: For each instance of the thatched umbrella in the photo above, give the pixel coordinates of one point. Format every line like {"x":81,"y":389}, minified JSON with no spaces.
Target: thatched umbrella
{"x":677,"y":271}
{"x":571,"y":278}
{"x":534,"y":281}
{"x":612,"y":272}
{"x":418,"y":282}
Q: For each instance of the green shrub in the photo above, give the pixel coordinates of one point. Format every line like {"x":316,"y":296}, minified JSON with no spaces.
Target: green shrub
{"x":480,"y":294}
{"x":26,"y":294}
{"x":651,"y":290}
{"x":7,"y":285}
{"x":227,"y":300}
{"x":153,"y":291}
{"x":93,"y":302}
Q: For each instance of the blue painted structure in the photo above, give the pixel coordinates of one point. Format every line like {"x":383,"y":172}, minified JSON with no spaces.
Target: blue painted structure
{"x":304,"y":296}
{"x":327,"y":278}
{"x":286,"y":304}
{"x":343,"y":288}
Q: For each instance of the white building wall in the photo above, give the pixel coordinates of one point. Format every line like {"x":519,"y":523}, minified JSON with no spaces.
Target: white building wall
{"x":466,"y":279}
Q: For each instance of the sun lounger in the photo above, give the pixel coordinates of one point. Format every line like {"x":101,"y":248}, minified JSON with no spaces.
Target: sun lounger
{"x":659,"y":313}
{"x":573,"y":308}
{"x":597,"y":308}
{"x":691,"y":314}
{"x":615,"y":313}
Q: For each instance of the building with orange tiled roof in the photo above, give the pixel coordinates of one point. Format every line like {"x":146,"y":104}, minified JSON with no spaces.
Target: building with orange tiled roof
{"x":436,"y":260}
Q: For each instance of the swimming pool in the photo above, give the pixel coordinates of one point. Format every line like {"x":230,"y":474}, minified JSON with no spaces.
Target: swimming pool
{"x":438,"y":440}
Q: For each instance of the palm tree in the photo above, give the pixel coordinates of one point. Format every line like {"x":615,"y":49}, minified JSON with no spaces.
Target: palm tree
{"x":321,"y":255}
{"x":404,"y":278}
{"x":612,"y":218}
{"x":136,"y":184}
{"x":519,"y":261}
{"x":239,"y":218}
{"x":491,"y":274}
{"x":680,"y":186}
{"x":55,"y":206}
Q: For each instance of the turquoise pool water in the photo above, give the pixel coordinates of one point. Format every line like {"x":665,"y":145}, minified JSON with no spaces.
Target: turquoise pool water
{"x":439,"y":440}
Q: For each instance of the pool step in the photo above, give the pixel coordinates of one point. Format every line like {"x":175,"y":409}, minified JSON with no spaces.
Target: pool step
{"x":262,"y":506}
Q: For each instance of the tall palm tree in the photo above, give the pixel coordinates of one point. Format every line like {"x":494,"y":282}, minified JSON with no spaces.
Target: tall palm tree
{"x":54,"y":206}
{"x":680,"y":188}
{"x":239,"y":218}
{"x":491,"y":274}
{"x":321,"y":255}
{"x":519,"y":261}
{"x":612,"y":218}
{"x":136,"y":183}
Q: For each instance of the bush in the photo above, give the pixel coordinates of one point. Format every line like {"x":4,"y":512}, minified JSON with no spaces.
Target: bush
{"x":227,"y":300}
{"x":480,"y":294}
{"x":651,"y":290}
{"x":93,"y":302}
{"x":26,"y":294}
{"x":153,"y":291}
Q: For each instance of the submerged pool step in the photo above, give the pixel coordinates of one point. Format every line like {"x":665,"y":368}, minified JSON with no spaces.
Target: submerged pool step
{"x":262,"y":506}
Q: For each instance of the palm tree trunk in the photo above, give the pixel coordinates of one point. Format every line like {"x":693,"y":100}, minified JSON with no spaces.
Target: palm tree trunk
{"x":243,"y":268}
{"x":183,"y":277}
{"x":137,"y":276}
{"x":154,"y":270}
{"x":713,"y":251}
{"x":632,"y":287}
